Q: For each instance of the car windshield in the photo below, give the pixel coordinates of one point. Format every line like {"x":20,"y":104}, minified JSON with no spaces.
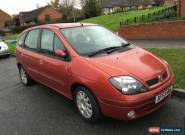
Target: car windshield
{"x":88,"y":40}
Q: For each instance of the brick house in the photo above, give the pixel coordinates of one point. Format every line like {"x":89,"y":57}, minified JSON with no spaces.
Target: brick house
{"x":42,"y":14}
{"x":4,"y":17}
{"x":110,"y":6}
{"x":170,"y":2}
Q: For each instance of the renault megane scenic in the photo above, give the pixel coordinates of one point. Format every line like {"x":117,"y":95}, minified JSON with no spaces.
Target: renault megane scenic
{"x":101,"y":72}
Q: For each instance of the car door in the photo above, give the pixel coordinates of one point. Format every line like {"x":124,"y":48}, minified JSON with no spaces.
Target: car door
{"x":29,"y":53}
{"x":53,"y":70}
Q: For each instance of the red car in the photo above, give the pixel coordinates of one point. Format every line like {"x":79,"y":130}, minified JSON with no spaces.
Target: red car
{"x":102,"y":73}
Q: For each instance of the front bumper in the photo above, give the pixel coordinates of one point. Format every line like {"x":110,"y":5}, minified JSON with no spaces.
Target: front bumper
{"x":142,"y":106}
{"x":4,"y":52}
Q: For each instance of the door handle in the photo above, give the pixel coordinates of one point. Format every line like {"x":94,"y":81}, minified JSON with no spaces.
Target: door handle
{"x":41,"y":62}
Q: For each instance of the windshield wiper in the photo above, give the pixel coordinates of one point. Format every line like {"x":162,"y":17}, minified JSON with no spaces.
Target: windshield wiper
{"x":125,"y":44}
{"x":106,"y":50}
{"x":118,"y":48}
{"x":109,"y":49}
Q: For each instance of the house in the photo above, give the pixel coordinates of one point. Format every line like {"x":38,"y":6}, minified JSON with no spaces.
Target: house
{"x":170,"y":2}
{"x":4,"y":17}
{"x":13,"y":22}
{"x":110,"y":6}
{"x":41,"y":15}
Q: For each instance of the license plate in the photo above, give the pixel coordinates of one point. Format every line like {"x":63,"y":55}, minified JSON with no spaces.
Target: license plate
{"x":163,"y":95}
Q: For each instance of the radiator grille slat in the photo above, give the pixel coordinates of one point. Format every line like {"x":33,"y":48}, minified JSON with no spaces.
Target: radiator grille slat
{"x":157,"y":79}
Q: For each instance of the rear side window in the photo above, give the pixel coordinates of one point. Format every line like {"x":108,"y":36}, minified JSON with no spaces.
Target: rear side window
{"x":47,"y":42}
{"x":21,"y":39}
{"x":32,"y":39}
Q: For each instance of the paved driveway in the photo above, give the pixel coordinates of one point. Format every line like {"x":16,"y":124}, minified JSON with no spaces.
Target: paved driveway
{"x":38,"y":110}
{"x":160,"y":43}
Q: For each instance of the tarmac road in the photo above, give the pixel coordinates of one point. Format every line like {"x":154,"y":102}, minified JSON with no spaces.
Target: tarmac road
{"x":38,"y":110}
{"x":163,"y":43}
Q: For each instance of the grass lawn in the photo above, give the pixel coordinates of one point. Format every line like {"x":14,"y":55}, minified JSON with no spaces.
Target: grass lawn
{"x":10,"y":36}
{"x":112,"y":21}
{"x":175,"y":58}
{"x":12,"y":50}
{"x":11,"y":46}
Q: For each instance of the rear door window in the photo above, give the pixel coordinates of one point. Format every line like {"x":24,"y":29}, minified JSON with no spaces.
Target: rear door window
{"x":31,"y":40}
{"x":21,"y":39}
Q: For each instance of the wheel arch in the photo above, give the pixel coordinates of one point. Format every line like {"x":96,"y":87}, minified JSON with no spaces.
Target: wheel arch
{"x":76,"y":85}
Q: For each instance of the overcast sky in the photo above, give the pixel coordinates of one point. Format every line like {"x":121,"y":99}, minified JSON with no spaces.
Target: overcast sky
{"x":15,"y":6}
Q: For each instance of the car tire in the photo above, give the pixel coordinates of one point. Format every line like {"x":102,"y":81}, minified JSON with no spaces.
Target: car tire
{"x":87,"y":105}
{"x":25,"y":78}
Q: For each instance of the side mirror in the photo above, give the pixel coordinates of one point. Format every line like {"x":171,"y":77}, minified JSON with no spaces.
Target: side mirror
{"x":60,"y":53}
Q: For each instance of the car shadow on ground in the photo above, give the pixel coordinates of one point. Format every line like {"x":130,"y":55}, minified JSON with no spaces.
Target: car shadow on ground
{"x":4,"y":57}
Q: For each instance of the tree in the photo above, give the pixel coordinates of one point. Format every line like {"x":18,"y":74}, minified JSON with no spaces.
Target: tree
{"x":55,"y":4}
{"x":91,"y":8}
{"x":68,"y":10}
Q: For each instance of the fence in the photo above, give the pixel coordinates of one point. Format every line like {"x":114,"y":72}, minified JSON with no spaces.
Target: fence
{"x":151,"y":17}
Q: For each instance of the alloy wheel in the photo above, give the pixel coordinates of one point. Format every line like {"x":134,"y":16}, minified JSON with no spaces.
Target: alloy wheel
{"x":23,"y":76}
{"x":84,"y":104}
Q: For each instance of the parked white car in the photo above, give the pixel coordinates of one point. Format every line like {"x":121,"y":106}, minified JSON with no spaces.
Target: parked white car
{"x":4,"y":50}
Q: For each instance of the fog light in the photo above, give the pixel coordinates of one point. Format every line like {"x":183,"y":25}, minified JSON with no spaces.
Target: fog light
{"x":131,"y":114}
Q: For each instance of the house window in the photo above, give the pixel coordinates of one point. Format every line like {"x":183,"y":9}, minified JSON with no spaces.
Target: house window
{"x":47,"y":18}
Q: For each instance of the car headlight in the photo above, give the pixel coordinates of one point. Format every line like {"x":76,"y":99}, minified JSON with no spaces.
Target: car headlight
{"x":127,"y":85}
{"x":4,"y":47}
{"x":169,"y":67}
{"x":165,"y":62}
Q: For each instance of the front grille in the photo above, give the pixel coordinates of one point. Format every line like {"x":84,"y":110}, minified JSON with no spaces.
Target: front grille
{"x":152,"y":81}
{"x":149,"y":106}
{"x":157,"y":79}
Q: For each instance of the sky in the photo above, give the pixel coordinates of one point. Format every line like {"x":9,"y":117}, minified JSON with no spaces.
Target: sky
{"x":15,"y":6}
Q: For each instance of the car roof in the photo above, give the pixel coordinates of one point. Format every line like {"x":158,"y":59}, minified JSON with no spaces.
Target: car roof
{"x":64,"y":25}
